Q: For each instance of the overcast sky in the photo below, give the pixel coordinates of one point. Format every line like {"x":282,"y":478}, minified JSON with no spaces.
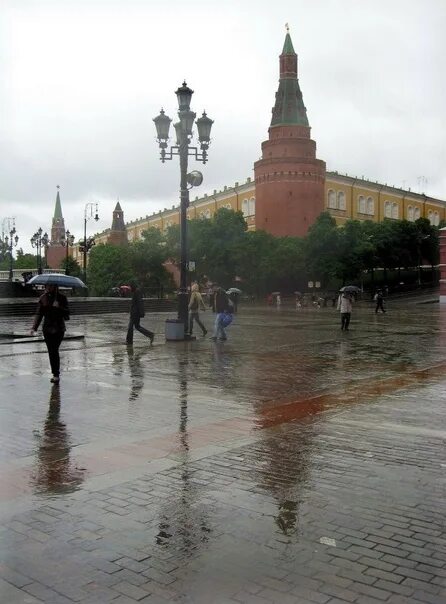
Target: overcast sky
{"x":81,"y":80}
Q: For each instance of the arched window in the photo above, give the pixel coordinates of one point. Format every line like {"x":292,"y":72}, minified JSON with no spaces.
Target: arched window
{"x":436,"y":218}
{"x":430,"y":216}
{"x":228,"y":206}
{"x":388,"y":209}
{"x":331,"y":199}
{"x":410,"y":214}
{"x":207,"y":214}
{"x":341,"y":200}
{"x":361,"y":204}
{"x":417,"y":213}
{"x":370,"y":206}
{"x":245,"y":207}
{"x":252,"y":206}
{"x":395,"y":210}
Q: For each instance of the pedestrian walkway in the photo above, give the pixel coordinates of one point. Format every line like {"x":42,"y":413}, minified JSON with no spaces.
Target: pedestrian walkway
{"x":294,"y":463}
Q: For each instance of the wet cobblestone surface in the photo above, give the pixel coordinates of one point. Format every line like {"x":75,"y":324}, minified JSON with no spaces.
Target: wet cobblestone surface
{"x":293,"y":463}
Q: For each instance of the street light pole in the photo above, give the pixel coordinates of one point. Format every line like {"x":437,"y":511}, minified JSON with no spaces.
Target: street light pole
{"x":90,"y":211}
{"x":183,"y":149}
{"x":38,"y":241}
{"x":10,"y":241}
{"x":67,"y":241}
{"x":420,"y":239}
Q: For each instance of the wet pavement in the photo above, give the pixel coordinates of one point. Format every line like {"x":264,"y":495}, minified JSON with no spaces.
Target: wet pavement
{"x":294,"y":463}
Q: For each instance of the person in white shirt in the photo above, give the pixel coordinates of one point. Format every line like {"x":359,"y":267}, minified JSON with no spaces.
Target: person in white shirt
{"x":345,"y":307}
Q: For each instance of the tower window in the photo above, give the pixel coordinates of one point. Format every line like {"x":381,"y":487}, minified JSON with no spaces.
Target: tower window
{"x":361,"y":204}
{"x":388,"y":209}
{"x":395,"y":210}
{"x":370,"y":206}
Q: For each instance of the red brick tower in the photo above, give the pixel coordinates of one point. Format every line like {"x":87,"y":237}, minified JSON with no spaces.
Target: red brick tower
{"x":56,"y":252}
{"x":443,"y":265}
{"x":289,"y":179}
{"x":118,"y":232}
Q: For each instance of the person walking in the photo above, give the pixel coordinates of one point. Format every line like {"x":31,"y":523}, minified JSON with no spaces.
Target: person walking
{"x":53,"y":310}
{"x":345,"y":306}
{"x":222,"y":306}
{"x":136,"y":314}
{"x":195,"y":304}
{"x":379,"y":299}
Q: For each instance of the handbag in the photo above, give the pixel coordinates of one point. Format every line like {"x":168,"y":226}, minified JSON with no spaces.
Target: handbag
{"x":225,"y":319}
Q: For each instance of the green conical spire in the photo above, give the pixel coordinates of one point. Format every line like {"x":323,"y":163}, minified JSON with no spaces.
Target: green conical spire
{"x":289,"y":108}
{"x":58,"y":208}
{"x":288,"y":45}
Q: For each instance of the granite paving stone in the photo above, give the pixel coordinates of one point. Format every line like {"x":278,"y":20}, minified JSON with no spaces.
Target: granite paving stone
{"x":293,"y":463}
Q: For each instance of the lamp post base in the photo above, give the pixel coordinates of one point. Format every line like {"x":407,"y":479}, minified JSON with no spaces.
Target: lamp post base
{"x":175,"y":331}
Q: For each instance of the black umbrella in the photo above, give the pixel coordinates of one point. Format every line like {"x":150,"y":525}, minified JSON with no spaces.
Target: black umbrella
{"x":58,"y":279}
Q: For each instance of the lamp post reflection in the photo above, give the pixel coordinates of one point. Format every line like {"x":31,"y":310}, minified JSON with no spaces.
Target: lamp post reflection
{"x":183,"y":523}
{"x":55,"y":472}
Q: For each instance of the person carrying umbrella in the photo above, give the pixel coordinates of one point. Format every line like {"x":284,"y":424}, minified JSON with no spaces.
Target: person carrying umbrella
{"x":53,"y":309}
{"x":345,"y":307}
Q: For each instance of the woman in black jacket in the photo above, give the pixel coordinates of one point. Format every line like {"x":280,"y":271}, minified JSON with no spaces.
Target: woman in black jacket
{"x":53,"y":309}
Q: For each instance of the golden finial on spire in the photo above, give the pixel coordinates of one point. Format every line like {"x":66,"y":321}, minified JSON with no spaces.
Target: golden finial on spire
{"x":287,"y":27}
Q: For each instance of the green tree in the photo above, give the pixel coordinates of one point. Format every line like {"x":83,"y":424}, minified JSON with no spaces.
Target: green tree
{"x":321,"y":249}
{"x":213,"y":245}
{"x":356,"y":250}
{"x":255,"y":261}
{"x":108,"y":266}
{"x":71,"y":267}
{"x":147,"y":257}
{"x":25,"y":261}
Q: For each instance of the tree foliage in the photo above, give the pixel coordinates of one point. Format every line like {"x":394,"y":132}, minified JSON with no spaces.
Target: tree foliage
{"x":225,"y":252}
{"x":108,"y":266}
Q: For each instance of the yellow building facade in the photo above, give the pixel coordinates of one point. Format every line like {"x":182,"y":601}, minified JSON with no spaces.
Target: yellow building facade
{"x":346,"y":197}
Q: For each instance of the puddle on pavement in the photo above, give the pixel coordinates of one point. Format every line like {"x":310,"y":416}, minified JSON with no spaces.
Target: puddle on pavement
{"x":279,"y":412}
{"x":54,"y":472}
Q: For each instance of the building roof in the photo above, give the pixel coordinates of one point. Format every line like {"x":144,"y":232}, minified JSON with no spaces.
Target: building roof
{"x":289,"y":108}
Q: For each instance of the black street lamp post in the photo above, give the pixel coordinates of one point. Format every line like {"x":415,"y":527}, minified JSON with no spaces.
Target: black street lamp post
{"x":39,"y":241}
{"x":91,"y":211}
{"x":420,"y":239}
{"x":183,"y":130}
{"x":11,"y":242}
{"x":67,"y":241}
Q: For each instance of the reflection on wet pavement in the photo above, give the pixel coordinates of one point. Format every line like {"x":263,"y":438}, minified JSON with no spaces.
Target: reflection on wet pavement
{"x":55,"y":473}
{"x":293,"y":463}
